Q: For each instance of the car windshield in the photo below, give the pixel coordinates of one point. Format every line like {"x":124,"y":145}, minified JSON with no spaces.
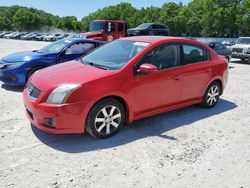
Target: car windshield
{"x":55,"y":47}
{"x":144,"y":26}
{"x":243,"y":41}
{"x":97,"y":27}
{"x":114,"y":55}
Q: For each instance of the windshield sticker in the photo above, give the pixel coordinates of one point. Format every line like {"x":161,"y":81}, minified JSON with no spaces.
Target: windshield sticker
{"x":67,"y":41}
{"x":141,"y":44}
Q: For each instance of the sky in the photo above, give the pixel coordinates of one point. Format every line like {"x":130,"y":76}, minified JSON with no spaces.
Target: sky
{"x":81,"y":8}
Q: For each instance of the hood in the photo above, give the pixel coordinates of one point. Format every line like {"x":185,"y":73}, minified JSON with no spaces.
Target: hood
{"x":241,"y":46}
{"x":27,"y":56}
{"x":91,"y":34}
{"x":70,"y":72}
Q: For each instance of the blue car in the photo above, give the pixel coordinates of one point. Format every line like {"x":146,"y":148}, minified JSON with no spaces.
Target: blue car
{"x":15,"y":69}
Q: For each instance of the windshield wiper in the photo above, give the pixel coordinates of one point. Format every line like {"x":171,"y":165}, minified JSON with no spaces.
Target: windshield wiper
{"x":94,"y":65}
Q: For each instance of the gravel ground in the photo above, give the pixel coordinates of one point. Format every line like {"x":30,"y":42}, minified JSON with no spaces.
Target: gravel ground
{"x":191,"y":147}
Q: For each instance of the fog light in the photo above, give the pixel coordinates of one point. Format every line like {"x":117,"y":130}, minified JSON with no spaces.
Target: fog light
{"x":50,"y":122}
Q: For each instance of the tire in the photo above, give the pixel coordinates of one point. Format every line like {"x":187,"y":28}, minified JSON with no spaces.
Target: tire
{"x":32,"y":72}
{"x":248,"y":60}
{"x":105,"y":119}
{"x":243,"y":59}
{"x":212,"y":95}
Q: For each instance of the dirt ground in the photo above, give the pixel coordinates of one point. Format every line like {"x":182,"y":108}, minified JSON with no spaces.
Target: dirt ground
{"x":191,"y":147}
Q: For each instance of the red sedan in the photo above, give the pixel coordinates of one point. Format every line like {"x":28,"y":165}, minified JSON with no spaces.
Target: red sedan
{"x":126,"y":80}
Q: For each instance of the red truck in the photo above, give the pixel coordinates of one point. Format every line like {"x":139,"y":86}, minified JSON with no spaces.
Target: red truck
{"x":106,"y":30}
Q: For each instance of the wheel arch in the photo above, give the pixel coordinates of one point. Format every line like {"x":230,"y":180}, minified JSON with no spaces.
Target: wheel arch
{"x":123,"y":101}
{"x":219,"y":81}
{"x":35,"y":68}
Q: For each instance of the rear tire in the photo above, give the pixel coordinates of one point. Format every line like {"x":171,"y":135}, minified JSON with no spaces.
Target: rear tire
{"x":212,"y":95}
{"x":105,"y":119}
{"x":243,"y":59}
{"x":248,"y":60}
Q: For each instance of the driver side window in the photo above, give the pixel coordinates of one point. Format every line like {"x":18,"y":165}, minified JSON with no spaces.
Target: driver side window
{"x":163,"y":57}
{"x":79,"y":48}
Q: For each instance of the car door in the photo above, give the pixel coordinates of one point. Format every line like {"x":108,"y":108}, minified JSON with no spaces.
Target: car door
{"x":112,"y":31}
{"x":197,"y":71}
{"x":153,"y":30}
{"x":121,"y":30}
{"x":220,"y":49}
{"x":162,"y":88}
{"x":75,"y":51}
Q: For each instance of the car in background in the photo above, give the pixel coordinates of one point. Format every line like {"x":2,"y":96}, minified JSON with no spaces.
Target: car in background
{"x":51,"y":36}
{"x":10,"y":35}
{"x":106,"y":30}
{"x":221,"y":50}
{"x":241,"y":50}
{"x":122,"y":81}
{"x":59,"y":36}
{"x":149,"y":29}
{"x":19,"y":35}
{"x":27,"y":36}
{"x":228,"y":43}
{"x":15,"y":69}
{"x":4,"y":33}
{"x":39,"y":37}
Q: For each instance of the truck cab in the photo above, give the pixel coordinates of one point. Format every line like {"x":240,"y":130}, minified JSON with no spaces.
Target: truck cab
{"x":106,"y":30}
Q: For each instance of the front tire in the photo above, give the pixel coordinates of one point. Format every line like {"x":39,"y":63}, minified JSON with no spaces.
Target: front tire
{"x":212,"y":95}
{"x":32,"y":72}
{"x":105,"y":119}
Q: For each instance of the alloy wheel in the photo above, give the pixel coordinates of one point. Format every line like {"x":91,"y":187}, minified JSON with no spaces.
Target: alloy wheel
{"x":213,"y":95}
{"x":108,"y":120}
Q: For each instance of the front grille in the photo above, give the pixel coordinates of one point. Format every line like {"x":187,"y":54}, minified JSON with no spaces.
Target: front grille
{"x":32,"y":91}
{"x":9,"y":78}
{"x":239,"y":50}
{"x":2,"y":66}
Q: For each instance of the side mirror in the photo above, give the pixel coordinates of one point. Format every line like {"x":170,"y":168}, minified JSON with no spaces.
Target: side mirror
{"x":147,"y":68}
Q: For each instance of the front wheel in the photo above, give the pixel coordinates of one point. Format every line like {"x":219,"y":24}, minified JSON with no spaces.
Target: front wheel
{"x":211,"y":95}
{"x":32,"y":72}
{"x":105,"y":118}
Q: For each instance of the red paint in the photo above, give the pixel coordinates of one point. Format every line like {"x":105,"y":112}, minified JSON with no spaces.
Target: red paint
{"x":107,"y":35}
{"x":144,"y":94}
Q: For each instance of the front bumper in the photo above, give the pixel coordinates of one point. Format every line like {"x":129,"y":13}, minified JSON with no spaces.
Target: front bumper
{"x":67,"y":118}
{"x":13,"y":76}
{"x":240,"y":55}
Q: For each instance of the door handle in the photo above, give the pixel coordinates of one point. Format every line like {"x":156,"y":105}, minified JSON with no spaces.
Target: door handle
{"x":208,"y":71}
{"x":176,"y":77}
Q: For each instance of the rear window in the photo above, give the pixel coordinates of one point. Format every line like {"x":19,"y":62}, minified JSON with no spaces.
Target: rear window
{"x":194,"y":54}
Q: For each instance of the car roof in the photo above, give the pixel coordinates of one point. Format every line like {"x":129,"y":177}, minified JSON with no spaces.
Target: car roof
{"x":156,"y":39}
{"x":119,"y":21}
{"x":82,"y":40}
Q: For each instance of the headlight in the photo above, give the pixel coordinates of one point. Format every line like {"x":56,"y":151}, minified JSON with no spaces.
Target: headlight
{"x":248,"y":50}
{"x":14,"y":65}
{"x":245,"y":50}
{"x":60,"y":94}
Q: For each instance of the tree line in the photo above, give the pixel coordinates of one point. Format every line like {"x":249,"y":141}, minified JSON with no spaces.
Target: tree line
{"x":208,"y":18}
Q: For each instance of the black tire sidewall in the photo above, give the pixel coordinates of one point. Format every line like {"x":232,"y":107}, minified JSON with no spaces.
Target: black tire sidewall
{"x":32,"y":72}
{"x":90,"y":123}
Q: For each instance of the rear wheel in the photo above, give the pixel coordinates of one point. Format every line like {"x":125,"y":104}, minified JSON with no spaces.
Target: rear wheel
{"x":243,"y":59}
{"x":248,"y":60}
{"x":212,"y":95}
{"x":105,"y":119}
